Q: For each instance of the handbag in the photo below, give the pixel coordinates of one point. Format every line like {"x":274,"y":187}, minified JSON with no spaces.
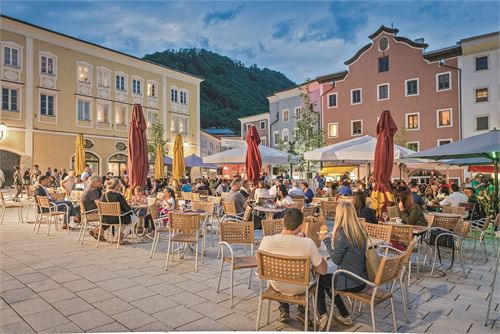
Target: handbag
{"x":372,"y":261}
{"x":446,"y":241}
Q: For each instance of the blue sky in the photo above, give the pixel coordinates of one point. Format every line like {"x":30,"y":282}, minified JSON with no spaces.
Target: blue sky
{"x":302,"y":39}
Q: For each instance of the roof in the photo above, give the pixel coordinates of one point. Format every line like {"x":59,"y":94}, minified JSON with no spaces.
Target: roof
{"x":383,"y":29}
{"x":332,"y":76}
{"x":255,"y":117}
{"x":468,"y":39}
{"x":410,"y":42}
{"x":448,"y":52}
{"x":358,"y":54}
{"x":96,"y":45}
{"x":220,"y":131}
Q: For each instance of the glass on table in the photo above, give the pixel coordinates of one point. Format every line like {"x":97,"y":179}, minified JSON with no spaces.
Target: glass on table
{"x":385,"y":216}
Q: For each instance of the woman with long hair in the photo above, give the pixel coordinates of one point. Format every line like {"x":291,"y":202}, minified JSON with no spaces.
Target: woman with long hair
{"x":347,"y":249}
{"x":363,"y":211}
{"x":410,"y":212}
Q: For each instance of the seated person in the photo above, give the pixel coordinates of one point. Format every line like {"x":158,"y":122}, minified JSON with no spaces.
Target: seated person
{"x":478,"y":212}
{"x":261,"y":191}
{"x":455,"y":198}
{"x":92,"y":194}
{"x":410,"y":212}
{"x":296,"y":190}
{"x":283,"y":199}
{"x":347,"y":249}
{"x":139,"y":198}
{"x":223,"y":187}
{"x":245,"y":189}
{"x":344,"y":189}
{"x":363,"y":211}
{"x":186,"y":187}
{"x":62,"y":206}
{"x":235,"y":196}
{"x":288,"y":243}
{"x":308,"y":193}
{"x":416,"y":197}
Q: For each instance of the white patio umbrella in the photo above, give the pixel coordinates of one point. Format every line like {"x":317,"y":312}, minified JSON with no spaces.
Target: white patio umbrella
{"x":270,"y":156}
{"x":359,"y":150}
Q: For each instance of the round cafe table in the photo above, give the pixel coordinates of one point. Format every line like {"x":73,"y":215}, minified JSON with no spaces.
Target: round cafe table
{"x":268,"y":211}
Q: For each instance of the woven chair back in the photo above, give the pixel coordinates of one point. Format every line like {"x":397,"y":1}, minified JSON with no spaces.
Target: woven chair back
{"x":328,"y":209}
{"x":195,"y":197}
{"x":308,"y":211}
{"x":388,"y":269}
{"x":153,"y":210}
{"x":460,"y":210}
{"x":312,"y":225}
{"x":236,"y":233}
{"x":462,"y":228}
{"x":214,"y":199}
{"x":229,"y":208}
{"x":186,"y":196}
{"x":393,"y":212}
{"x":272,"y":226}
{"x":299,"y":202}
{"x":108,"y":208}
{"x":379,"y":231}
{"x":430,"y":218}
{"x":59,"y":196}
{"x":208,"y":207}
{"x":203,"y":192}
{"x":43,"y":202}
{"x":469,"y":207}
{"x":448,"y":223}
{"x":288,"y":269}
{"x":402,"y":233}
{"x":247,"y":216}
{"x":184,"y":222}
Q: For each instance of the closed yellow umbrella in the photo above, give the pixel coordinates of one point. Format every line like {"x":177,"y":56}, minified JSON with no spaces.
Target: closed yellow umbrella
{"x":159,"y":167}
{"x":178,"y":166}
{"x":79,"y":154}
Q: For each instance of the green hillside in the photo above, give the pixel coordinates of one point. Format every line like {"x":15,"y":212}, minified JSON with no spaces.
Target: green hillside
{"x":230,"y":90}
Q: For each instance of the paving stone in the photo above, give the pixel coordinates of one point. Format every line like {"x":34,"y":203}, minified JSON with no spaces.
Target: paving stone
{"x":40,"y":286}
{"x":188,"y":299}
{"x":68,"y":327}
{"x":65,"y":277}
{"x":213,"y":296}
{"x":109,"y":328}
{"x":134,"y":318}
{"x":204,"y":324}
{"x":238,"y":322}
{"x":79,"y":285}
{"x":116,"y":284}
{"x":94,"y":295}
{"x":72,"y":306}
{"x":19,"y":327}
{"x":192,"y":286}
{"x":91,"y":319}
{"x":47,"y":319}
{"x":34,"y":277}
{"x":17,"y":295}
{"x":113,"y":306}
{"x":31,"y":306}
{"x":11,"y":285}
{"x":154,"y":304}
{"x":213,"y":311}
{"x":166,"y":289}
{"x":177,"y":316}
{"x":9,"y":316}
{"x":57,"y":295}
{"x":154,"y":327}
{"x":149,"y":280}
{"x":134,"y":293}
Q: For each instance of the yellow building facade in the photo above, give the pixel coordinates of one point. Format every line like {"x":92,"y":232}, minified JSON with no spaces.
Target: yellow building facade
{"x":55,"y":86}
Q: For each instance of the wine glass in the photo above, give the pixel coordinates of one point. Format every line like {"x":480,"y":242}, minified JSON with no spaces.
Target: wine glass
{"x":385,"y":216}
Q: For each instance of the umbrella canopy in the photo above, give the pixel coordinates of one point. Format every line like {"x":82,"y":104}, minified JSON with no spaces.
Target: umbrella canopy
{"x":178,"y":167}
{"x":384,"y":161}
{"x":253,"y":161}
{"x":269,"y":155}
{"x":159,"y":166}
{"x":195,"y":161}
{"x":485,"y":145}
{"x":359,"y":150}
{"x":79,"y":154}
{"x":137,"y":148}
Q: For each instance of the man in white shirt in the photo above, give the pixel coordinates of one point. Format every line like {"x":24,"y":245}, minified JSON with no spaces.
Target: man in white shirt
{"x":287,"y":243}
{"x":455,"y":198}
{"x":296,"y":190}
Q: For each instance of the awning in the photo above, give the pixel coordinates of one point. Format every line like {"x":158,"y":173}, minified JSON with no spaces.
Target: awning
{"x":337,"y":170}
{"x":482,"y":169}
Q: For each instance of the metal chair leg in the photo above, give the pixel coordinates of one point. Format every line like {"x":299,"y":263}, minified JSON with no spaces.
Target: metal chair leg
{"x":232,"y":285}
{"x":259,"y":311}
{"x":393,"y":315}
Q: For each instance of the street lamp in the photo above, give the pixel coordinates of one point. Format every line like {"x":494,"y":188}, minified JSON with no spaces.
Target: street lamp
{"x":3,"y":129}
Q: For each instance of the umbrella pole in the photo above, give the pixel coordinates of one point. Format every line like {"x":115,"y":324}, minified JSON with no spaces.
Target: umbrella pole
{"x":400,"y":177}
{"x":496,"y":186}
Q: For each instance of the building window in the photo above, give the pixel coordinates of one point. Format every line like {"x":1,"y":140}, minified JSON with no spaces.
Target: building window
{"x":152,"y":89}
{"x":263,"y":141}
{"x":83,"y":110}
{"x":296,"y":134}
{"x":183,"y":97}
{"x":482,"y":95}
{"x":11,"y":56}
{"x":444,"y":118}
{"x":297,"y":113}
{"x":332,"y":100}
{"x":412,"y":121}
{"x":137,"y":86}
{"x":121,"y":83}
{"x":103,"y":77}
{"x":247,"y":127}
{"x":356,"y":96}
{"x":443,"y":81}
{"x":413,"y":145}
{"x":383,"y":64}
{"x":152,"y":117}
{"x":276,"y":136}
{"x":174,"y":95}
{"x":383,"y":92}
{"x":482,"y":123}
{"x":102,"y":112}
{"x":285,"y":134}
{"x":84,"y":73}
{"x":356,"y":128}
{"x":47,"y":65}
{"x":262,"y":125}
{"x":179,"y":125}
{"x":481,"y":63}
{"x":10,"y":99}
{"x":120,"y":115}
{"x":285,"y":115}
{"x":442,"y":142}
{"x":47,"y":105}
{"x":333,"y":130}
{"x":411,"y":87}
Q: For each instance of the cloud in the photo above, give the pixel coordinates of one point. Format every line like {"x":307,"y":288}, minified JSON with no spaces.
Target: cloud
{"x":219,"y":16}
{"x":283,"y":29}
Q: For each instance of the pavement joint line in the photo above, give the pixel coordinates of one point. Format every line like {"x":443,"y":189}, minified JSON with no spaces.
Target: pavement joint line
{"x":468,"y":329}
{"x":22,"y":319}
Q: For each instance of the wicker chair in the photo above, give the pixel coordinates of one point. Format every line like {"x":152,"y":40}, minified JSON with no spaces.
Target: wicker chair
{"x":478,"y":232}
{"x":48,"y":212}
{"x":402,"y":234}
{"x":447,"y":223}
{"x":388,"y":271}
{"x":209,"y":224}
{"x":273,"y":226}
{"x":195,"y":197}
{"x":308,"y":211}
{"x":90,"y":218}
{"x":157,"y":216}
{"x":287,"y":269}
{"x":457,"y":210}
{"x":469,"y":207}
{"x":31,"y":201}
{"x":184,"y":228}
{"x":203,"y":192}
{"x":379,"y":231}
{"x":430,"y":218}
{"x":186,"y":196}
{"x":312,"y":225}
{"x":4,"y":205}
{"x":299,"y":202}
{"x":328,"y":209}
{"x":393,"y":212}
{"x":234,"y":234}
{"x":230,"y":212}
{"x":110,"y":209}
{"x":218,"y":204}
{"x":58,"y":196}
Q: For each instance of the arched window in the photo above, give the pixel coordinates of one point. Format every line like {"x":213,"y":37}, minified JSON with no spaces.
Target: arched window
{"x":285,"y":135}
{"x":117,"y":164}
{"x":90,"y":159}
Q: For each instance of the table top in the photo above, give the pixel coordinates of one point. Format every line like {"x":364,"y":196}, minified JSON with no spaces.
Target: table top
{"x":442,"y":214}
{"x":138,"y":206}
{"x":265,"y":209}
{"x":324,"y":253}
{"x":416,"y":228}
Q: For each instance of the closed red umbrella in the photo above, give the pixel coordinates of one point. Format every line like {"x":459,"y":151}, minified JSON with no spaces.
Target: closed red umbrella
{"x":383,"y":162}
{"x":137,"y":148}
{"x":253,"y":162}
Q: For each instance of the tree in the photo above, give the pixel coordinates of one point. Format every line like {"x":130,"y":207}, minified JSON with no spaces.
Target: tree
{"x":308,"y":134}
{"x":156,"y":137}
